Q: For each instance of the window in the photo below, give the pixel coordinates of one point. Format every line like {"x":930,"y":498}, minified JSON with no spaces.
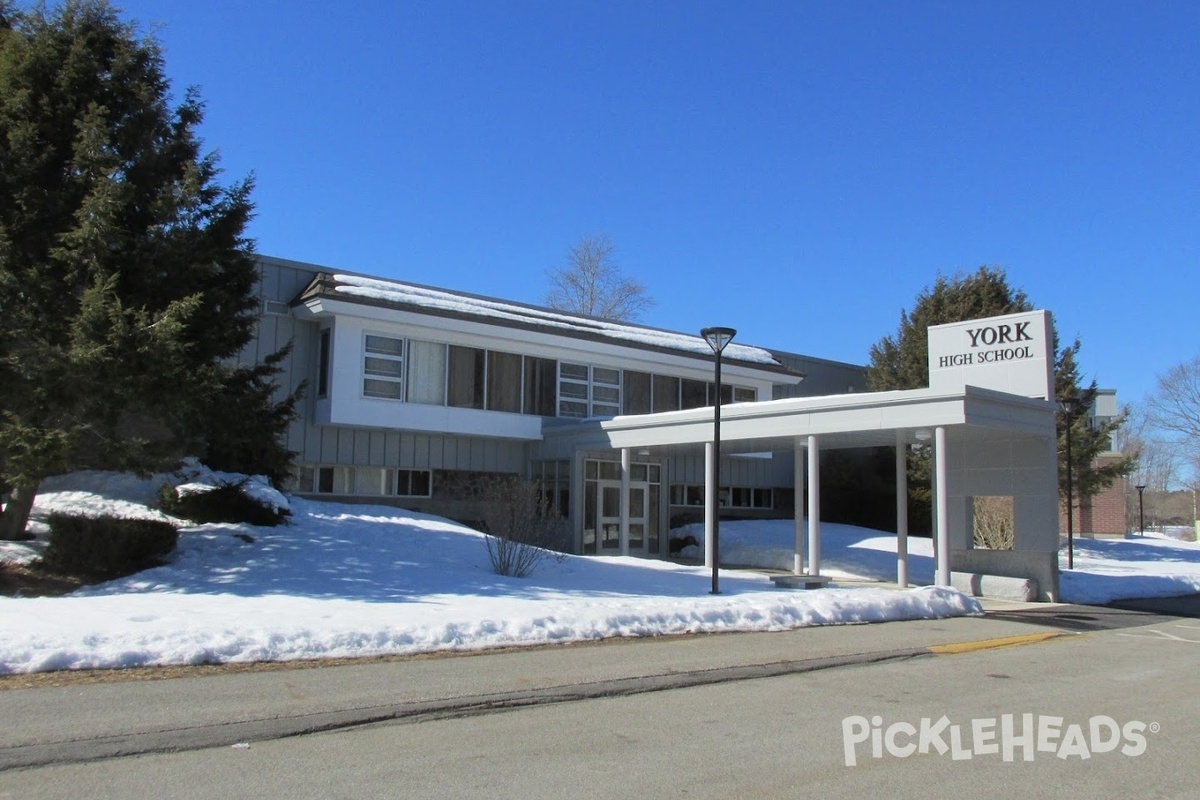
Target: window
{"x":503,"y":382}
{"x":606,"y":392}
{"x":383,"y":367}
{"x":335,"y":480}
{"x":325,"y":479}
{"x":541,"y":375}
{"x":573,"y":390}
{"x":666,"y":393}
{"x":414,"y":483}
{"x":693,"y":394}
{"x":323,"y":365}
{"x":427,"y":373}
{"x":741,"y":394}
{"x":466,"y":372}
{"x":730,"y":496}
{"x":439,"y":374}
{"x":554,"y":478}
{"x":367,"y":481}
{"x":585,"y":391}
{"x":637,"y":392}
{"x":746,"y":497}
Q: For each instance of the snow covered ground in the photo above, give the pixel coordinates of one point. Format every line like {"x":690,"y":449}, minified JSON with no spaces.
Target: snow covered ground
{"x":353,"y":580}
{"x":1105,"y":569}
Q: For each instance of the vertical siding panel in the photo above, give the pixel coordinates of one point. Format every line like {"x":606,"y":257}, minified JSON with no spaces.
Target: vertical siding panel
{"x":428,"y":451}
{"x":309,"y":442}
{"x":268,"y":287}
{"x":513,"y":457}
{"x":329,"y":440}
{"x":272,"y":333}
{"x":407,"y":455}
{"x":440,"y":451}
{"x":345,"y":446}
{"x":266,"y":336}
{"x":391,"y":449}
{"x":362,"y":447}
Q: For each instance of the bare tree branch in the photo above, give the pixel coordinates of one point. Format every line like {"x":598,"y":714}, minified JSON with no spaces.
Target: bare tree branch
{"x":590,"y":282}
{"x":1175,"y":406}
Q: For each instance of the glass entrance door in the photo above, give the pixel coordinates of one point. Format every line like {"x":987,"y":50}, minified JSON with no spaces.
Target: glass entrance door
{"x":602,"y":509}
{"x":608,"y":524}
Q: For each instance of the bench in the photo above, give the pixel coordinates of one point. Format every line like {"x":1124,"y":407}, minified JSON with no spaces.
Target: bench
{"x":800,"y":581}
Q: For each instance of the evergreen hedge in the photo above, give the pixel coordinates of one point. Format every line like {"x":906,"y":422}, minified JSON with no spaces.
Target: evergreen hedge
{"x":226,"y":503}
{"x":106,"y":547}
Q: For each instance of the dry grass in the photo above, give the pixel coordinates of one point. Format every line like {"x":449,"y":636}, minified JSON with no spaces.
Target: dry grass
{"x":25,"y":580}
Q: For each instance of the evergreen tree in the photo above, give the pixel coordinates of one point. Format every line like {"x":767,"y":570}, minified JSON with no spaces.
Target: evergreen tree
{"x":1089,"y":438}
{"x":126,"y":282}
{"x":901,"y":362}
{"x":244,"y":424}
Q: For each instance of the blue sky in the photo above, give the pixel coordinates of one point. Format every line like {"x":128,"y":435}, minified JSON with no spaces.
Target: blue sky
{"x":796,"y":170}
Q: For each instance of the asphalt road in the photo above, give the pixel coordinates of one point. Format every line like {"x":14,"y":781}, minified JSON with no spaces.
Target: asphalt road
{"x":747,"y":715}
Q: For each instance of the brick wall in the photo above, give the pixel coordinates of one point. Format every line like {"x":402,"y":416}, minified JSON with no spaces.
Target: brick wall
{"x":1103,"y":513}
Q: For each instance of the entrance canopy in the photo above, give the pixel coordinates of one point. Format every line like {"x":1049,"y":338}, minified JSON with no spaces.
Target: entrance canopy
{"x":843,"y":421}
{"x":985,"y":443}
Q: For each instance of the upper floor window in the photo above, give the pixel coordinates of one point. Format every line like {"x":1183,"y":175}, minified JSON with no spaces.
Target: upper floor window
{"x":541,"y":389}
{"x":434,"y":373}
{"x":426,"y":373}
{"x":383,"y":367}
{"x":742,"y":394}
{"x":585,"y":391}
{"x":466,"y":375}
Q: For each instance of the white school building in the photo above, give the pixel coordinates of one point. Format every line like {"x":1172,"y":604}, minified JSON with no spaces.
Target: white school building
{"x":416,"y":395}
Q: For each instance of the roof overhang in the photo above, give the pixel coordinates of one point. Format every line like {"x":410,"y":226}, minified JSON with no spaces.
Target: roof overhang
{"x":330,"y":295}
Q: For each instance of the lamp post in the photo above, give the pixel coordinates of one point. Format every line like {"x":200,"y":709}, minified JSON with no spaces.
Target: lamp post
{"x":1070,"y":407}
{"x":1141,"y":487}
{"x":717,"y":339}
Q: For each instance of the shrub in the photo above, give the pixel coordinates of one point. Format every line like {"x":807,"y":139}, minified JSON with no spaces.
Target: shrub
{"x":106,"y":547}
{"x":228,"y":502}
{"x":520,"y":528}
{"x":993,"y":516}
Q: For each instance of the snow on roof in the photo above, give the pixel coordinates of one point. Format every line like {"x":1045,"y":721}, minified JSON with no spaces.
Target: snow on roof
{"x":395,"y":292}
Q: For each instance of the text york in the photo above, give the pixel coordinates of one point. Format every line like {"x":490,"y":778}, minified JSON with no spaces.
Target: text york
{"x":1000,"y":334}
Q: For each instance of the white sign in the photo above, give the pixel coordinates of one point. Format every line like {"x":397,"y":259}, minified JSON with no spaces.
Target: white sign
{"x":1013,"y":353}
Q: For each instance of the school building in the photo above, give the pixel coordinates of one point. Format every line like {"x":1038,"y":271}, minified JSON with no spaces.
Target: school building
{"x":417,"y":395}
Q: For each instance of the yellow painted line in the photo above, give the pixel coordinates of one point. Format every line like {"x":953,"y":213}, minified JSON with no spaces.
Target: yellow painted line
{"x":992,"y":644}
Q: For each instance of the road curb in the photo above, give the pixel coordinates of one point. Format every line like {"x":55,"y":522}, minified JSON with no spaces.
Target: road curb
{"x":229,"y":734}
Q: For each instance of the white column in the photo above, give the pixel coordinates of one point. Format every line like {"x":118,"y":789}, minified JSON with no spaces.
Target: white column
{"x":902,"y":509}
{"x":710,"y":504}
{"x":942,"y":524}
{"x":814,"y":507}
{"x":798,"y":489}
{"x":624,"y":501}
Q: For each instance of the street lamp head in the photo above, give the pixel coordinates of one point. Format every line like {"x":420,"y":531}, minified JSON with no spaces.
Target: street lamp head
{"x":717,"y":338}
{"x":1141,"y":487}
{"x":1070,"y":405}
